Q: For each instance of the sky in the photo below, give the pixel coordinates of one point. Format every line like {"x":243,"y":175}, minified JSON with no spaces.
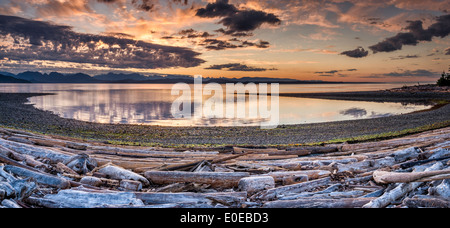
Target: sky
{"x":330,"y":40}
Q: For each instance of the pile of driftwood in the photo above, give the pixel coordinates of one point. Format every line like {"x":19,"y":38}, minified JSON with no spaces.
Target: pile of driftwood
{"x":39,"y":171}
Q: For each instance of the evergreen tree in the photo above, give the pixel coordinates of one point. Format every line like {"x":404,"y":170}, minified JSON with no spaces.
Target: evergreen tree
{"x":444,"y":80}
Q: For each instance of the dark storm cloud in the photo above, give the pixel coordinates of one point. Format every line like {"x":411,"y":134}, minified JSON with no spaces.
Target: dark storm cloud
{"x":220,"y":8}
{"x":401,"y":57}
{"x":260,"y":44}
{"x":191,"y":33}
{"x":249,"y":20}
{"x":406,"y":74}
{"x":107,"y":1}
{"x":327,"y":72}
{"x":145,"y":5}
{"x":415,"y":34}
{"x":208,"y":41}
{"x":237,"y":67}
{"x":333,"y":73}
{"x":216,"y":44}
{"x":38,"y":40}
{"x":238,"y":22}
{"x":357,"y":53}
{"x":414,"y":73}
{"x":233,"y":33}
{"x":447,"y":51}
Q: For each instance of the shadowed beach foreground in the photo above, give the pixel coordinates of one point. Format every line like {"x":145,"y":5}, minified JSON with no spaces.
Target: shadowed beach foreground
{"x":16,"y":114}
{"x":50,"y":171}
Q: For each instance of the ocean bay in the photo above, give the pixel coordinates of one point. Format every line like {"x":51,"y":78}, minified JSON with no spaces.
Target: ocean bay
{"x":150,"y":104}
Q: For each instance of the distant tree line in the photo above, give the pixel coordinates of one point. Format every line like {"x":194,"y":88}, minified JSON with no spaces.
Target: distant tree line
{"x":444,"y":80}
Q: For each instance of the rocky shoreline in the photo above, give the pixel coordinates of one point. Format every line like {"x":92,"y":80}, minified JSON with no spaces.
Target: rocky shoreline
{"x":422,"y":94}
{"x":16,"y":114}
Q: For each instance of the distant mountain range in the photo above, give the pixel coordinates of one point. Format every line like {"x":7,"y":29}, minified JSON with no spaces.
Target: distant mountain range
{"x":9,"y":79}
{"x":55,"y":77}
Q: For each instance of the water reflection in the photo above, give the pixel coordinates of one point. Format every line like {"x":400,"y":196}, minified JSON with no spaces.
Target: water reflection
{"x":355,"y":112}
{"x":151,"y":105}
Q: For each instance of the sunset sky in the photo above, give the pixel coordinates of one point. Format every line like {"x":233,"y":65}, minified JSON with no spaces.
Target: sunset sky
{"x":334,"y":40}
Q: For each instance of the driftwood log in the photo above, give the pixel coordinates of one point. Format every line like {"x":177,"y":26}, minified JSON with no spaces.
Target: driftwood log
{"x":275,"y":193}
{"x":81,"y":164}
{"x":119,"y":173}
{"x":384,"y":177}
{"x":215,"y":179}
{"x":426,"y":203}
{"x":319,"y":203}
{"x":256,"y":184}
{"x":40,"y":178}
{"x":311,"y":174}
{"x":399,"y":191}
{"x":34,"y":151}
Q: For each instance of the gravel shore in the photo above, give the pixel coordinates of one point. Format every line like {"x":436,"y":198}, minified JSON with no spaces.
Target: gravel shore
{"x":415,"y":95}
{"x":14,"y":113}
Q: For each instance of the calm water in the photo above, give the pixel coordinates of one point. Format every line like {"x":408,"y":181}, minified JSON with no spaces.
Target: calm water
{"x":151,"y":104}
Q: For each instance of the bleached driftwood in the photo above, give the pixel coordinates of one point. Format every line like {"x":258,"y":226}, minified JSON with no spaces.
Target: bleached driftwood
{"x":400,"y":190}
{"x":318,"y":203}
{"x":312,"y":174}
{"x":119,"y":173}
{"x":61,"y":168}
{"x":8,"y":191}
{"x":228,"y":199}
{"x":34,"y":151}
{"x":314,"y":163}
{"x":407,"y":154}
{"x":254,"y":184}
{"x":130,"y":185}
{"x":295,"y":179}
{"x":9,"y":161}
{"x":426,"y":202}
{"x":366,"y":165}
{"x":40,"y":178}
{"x":332,"y":188}
{"x":442,"y":190}
{"x":174,"y":188}
{"x":252,"y":167}
{"x":82,"y":199}
{"x":10,"y":204}
{"x":215,"y":179}
{"x":275,"y":193}
{"x":14,"y":187}
{"x":93,"y":181}
{"x":29,"y":160}
{"x":81,"y":163}
{"x":436,"y":155}
{"x":47,"y":203}
{"x":325,"y":195}
{"x":384,"y":177}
